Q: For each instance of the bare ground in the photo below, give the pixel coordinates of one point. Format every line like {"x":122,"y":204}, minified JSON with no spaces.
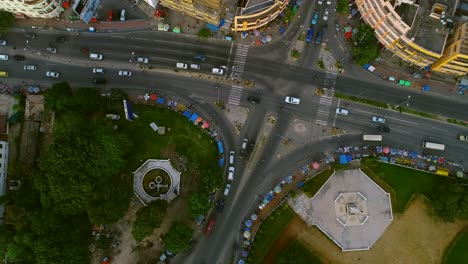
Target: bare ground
{"x":413,"y":237}
{"x":289,"y":234}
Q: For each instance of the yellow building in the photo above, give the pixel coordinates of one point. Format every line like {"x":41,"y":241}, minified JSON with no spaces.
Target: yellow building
{"x":415,"y":31}
{"x":257,"y":13}
{"x":455,"y":58}
{"x":205,"y":10}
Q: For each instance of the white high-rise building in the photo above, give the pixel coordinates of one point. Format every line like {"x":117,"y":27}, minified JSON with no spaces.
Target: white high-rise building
{"x":33,"y":8}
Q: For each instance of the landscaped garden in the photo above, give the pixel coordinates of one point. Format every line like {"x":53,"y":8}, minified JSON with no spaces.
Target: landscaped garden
{"x":312,"y":186}
{"x":296,"y":253}
{"x":154,"y":177}
{"x":269,"y":230}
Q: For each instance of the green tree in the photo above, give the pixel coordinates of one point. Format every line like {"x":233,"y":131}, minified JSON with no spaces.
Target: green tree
{"x":198,"y":203}
{"x":86,"y":100}
{"x":342,"y":7}
{"x":148,"y":218}
{"x":178,"y":238}
{"x":365,"y":47}
{"x":204,"y":33}
{"x":450,"y":202}
{"x":59,"y":97}
{"x":115,"y":102}
{"x":6,"y":20}
{"x":211,"y":181}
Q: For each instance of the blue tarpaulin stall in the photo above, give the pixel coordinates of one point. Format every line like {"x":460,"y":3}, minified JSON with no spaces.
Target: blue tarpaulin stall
{"x":220,"y":146}
{"x":194,"y":117}
{"x":187,"y":114}
{"x":221,"y":162}
{"x":212,"y":27}
{"x":160,"y":100}
{"x":343,"y":159}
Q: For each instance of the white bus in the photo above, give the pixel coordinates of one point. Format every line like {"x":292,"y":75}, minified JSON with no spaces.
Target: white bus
{"x":435,"y":146}
{"x":372,"y":137}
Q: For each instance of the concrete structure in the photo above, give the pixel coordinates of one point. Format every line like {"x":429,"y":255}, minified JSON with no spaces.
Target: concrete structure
{"x":257,"y":13}
{"x":455,"y":58}
{"x":415,"y":31}
{"x":206,"y":10}
{"x":3,"y":174}
{"x":152,"y":164}
{"x":33,"y":8}
{"x":86,"y":9}
{"x":352,"y":210}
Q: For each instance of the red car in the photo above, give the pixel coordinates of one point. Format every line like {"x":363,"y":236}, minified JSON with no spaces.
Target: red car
{"x":209,"y":228}
{"x":110,"y":15}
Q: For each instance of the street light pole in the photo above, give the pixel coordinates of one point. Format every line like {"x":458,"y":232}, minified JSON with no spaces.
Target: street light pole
{"x":29,"y":47}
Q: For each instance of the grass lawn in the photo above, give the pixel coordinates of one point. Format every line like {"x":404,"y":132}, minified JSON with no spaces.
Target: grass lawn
{"x":405,"y":182}
{"x":312,"y":186}
{"x":186,"y":139}
{"x":296,"y":253}
{"x":458,"y":251}
{"x":270,"y":229}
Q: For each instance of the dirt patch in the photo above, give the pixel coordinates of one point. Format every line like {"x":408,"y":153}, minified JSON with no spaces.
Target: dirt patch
{"x":413,"y":237}
{"x":28,"y":146}
{"x":236,"y":115}
{"x":289,"y":234}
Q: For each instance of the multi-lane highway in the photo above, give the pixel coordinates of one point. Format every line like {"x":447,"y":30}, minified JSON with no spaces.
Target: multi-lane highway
{"x":274,"y":79}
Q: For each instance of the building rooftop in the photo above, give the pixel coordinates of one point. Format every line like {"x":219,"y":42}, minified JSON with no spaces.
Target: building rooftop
{"x":352,"y":210}
{"x":254,"y":6}
{"x":429,"y":21}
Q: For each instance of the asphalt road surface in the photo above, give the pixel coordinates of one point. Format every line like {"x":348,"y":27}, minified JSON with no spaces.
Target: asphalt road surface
{"x":273,"y":78}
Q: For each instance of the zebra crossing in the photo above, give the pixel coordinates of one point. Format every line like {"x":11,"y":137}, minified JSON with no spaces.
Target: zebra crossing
{"x":326,"y":99}
{"x":239,"y":61}
{"x":235,"y":95}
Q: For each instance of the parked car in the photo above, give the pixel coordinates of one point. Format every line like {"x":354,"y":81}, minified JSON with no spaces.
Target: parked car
{"x":220,"y":206}
{"x":125,"y":73}
{"x":51,"y":50}
{"x":142,"y":60}
{"x":383,"y":128}
{"x":378,"y":119}
{"x":3,"y":42}
{"x":122,"y":15}
{"x":227,"y":189}
{"x":231,"y":173}
{"x":30,"y":67}
{"x":310,"y":34}
{"x":329,"y":2}
{"x":30,"y":35}
{"x":325,"y":15}
{"x":210,"y":226}
{"x":231,"y":157}
{"x":315,"y":18}
{"x":218,"y":71}
{"x":342,"y":111}
{"x":292,"y":100}
{"x":253,"y":100}
{"x":463,"y":138}
{"x":320,"y":2}
{"x":52,"y":74}
{"x":181,"y":65}
{"x":61,"y":39}
{"x":4,"y":57}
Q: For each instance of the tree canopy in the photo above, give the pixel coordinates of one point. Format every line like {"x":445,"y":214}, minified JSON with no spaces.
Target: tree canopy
{"x":365,"y":47}
{"x":450,"y":201}
{"x":6,"y":20}
{"x":178,"y":238}
{"x":148,"y":218}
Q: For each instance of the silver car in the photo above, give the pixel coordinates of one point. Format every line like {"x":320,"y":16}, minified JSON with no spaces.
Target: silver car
{"x":292,"y":100}
{"x":227,"y":189}
{"x":142,"y":60}
{"x":52,"y":50}
{"x":52,"y":74}
{"x":378,"y":119}
{"x":125,"y":73}
{"x":30,"y":67}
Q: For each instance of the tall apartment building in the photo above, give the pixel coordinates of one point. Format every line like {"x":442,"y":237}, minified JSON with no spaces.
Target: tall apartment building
{"x":33,"y":8}
{"x":205,"y":10}
{"x":257,"y":13}
{"x":455,"y":58}
{"x":415,"y":31}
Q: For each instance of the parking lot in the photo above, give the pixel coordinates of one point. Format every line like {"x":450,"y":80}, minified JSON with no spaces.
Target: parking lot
{"x":132,"y":11}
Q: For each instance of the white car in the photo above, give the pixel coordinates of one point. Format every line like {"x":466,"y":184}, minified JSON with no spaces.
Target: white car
{"x":122,"y":15}
{"x":292,"y":100}
{"x":378,"y":119}
{"x":320,"y":2}
{"x":342,"y":111}
{"x":52,"y":50}
{"x":227,"y":189}
{"x":125,"y":73}
{"x":52,"y":74}
{"x":231,"y":157}
{"x":98,"y":70}
{"x":219,"y":70}
{"x":231,"y":173}
{"x":30,"y":67}
{"x":329,"y":2}
{"x":142,"y":60}
{"x":325,"y":15}
{"x":3,"y":42}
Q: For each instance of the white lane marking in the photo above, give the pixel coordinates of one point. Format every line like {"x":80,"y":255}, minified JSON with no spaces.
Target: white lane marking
{"x":117,"y":36}
{"x":139,"y":38}
{"x":373,"y":125}
{"x":403,"y":131}
{"x":389,"y":117}
{"x":336,"y":114}
{"x":51,"y":64}
{"x":440,"y":129}
{"x":135,"y":47}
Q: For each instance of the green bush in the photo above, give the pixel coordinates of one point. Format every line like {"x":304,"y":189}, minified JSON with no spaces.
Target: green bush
{"x":204,"y":33}
{"x":148,"y":218}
